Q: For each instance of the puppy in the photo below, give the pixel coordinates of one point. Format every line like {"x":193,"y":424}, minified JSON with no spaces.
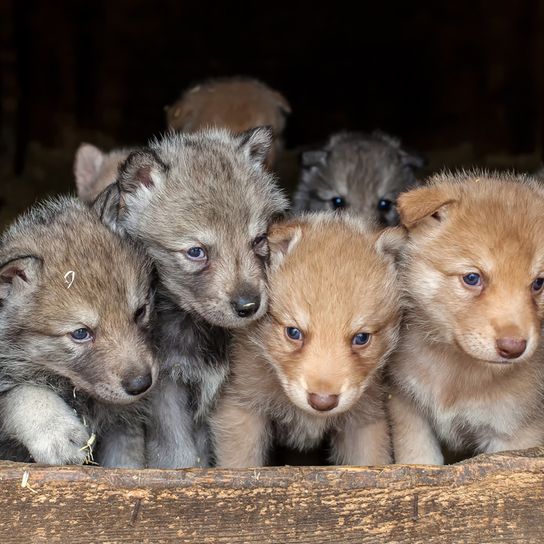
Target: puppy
{"x":201,"y":204}
{"x":358,"y":172}
{"x":312,"y":366}
{"x":74,"y":311}
{"x":468,"y":373}
{"x":238,"y":104}
{"x":95,"y":169}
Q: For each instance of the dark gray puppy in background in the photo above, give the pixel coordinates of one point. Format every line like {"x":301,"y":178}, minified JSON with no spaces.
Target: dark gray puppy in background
{"x":201,"y":205}
{"x":75,"y":353}
{"x":358,"y":172}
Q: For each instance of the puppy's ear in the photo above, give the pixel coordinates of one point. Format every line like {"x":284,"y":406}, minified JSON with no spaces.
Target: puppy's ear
{"x":106,"y":206}
{"x":19,"y":275}
{"x":391,"y":241}
{"x":319,"y":157}
{"x":87,"y":164}
{"x":429,"y":203}
{"x":282,"y":238}
{"x":256,"y":143}
{"x":143,"y":170}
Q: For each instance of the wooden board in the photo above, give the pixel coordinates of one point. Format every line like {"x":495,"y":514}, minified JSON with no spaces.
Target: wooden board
{"x":497,"y":498}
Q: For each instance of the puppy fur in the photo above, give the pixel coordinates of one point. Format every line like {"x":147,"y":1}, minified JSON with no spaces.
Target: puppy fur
{"x":357,"y":172}
{"x":206,"y":190}
{"x":462,"y":376}
{"x":95,"y":169}
{"x":331,"y":277}
{"x":56,"y":392}
{"x":237,"y":104}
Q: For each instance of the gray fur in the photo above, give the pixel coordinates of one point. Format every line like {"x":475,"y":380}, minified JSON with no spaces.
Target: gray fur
{"x":362,"y":170}
{"x":207,"y":189}
{"x":54,"y":392}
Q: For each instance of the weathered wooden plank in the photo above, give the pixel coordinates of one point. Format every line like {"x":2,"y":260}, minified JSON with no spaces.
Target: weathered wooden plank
{"x":497,"y":498}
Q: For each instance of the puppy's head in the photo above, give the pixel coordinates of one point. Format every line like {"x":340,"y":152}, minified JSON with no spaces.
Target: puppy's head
{"x":237,"y":104}
{"x":358,"y":173}
{"x":334,"y":309}
{"x":75,"y":299}
{"x":202,"y":205}
{"x":475,"y":263}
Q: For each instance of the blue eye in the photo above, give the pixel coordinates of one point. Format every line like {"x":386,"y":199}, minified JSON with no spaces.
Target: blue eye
{"x":293,"y":333}
{"x":338,"y":203}
{"x":81,"y":335}
{"x":472,"y":279}
{"x":196,"y":253}
{"x":384,"y":205}
{"x":537,"y":285}
{"x":361,"y":339}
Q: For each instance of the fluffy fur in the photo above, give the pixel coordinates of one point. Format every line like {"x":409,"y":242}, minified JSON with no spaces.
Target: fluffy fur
{"x":95,"y":169}
{"x":56,"y":391}
{"x":358,"y":172}
{"x":462,"y":375}
{"x":206,"y":190}
{"x":237,"y":104}
{"x":331,"y":277}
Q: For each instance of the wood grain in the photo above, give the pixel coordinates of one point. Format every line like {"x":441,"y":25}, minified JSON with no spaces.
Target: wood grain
{"x":497,"y":498}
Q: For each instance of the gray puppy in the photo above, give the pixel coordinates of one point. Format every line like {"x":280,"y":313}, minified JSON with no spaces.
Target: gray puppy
{"x":359,"y":172}
{"x":201,"y":204}
{"x":75,"y":354}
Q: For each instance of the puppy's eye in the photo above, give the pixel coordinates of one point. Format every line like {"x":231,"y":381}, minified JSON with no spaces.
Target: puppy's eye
{"x":384,"y":205}
{"x":537,"y":285}
{"x":196,"y":254}
{"x":338,"y":202}
{"x":82,"y":335}
{"x":473,"y":279}
{"x":259,"y":241}
{"x":293,"y":334}
{"x":361,"y":339}
{"x":139,"y":314}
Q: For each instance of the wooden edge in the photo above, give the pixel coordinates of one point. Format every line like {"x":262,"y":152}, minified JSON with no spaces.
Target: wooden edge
{"x":489,"y":498}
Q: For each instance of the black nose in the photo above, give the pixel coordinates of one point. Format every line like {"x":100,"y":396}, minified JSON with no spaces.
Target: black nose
{"x":246,"y":305}
{"x":137,"y":385}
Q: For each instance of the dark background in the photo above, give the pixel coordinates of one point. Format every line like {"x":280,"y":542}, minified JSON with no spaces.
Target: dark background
{"x":462,"y":82}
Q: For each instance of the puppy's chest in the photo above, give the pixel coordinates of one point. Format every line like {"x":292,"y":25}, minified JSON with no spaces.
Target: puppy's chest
{"x":295,"y":429}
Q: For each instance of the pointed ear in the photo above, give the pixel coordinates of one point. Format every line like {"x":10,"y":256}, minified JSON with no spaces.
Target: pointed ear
{"x":87,"y":164}
{"x":391,"y":241}
{"x":282,"y":238}
{"x":19,"y":274}
{"x":314,"y":158}
{"x":256,"y":143}
{"x":425,"y":203}
{"x":142,"y":170}
{"x":106,"y":206}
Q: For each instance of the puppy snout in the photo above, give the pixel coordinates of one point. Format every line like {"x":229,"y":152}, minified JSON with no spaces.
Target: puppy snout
{"x":246,"y":305}
{"x":137,"y":385}
{"x":322,"y":403}
{"x":511,"y":348}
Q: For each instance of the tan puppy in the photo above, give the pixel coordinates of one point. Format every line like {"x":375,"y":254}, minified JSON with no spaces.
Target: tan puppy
{"x":95,"y":169}
{"x":469,"y":371}
{"x":313,"y":365}
{"x":237,"y":104}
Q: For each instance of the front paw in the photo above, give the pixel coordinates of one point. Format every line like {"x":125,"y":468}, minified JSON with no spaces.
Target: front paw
{"x":62,"y":443}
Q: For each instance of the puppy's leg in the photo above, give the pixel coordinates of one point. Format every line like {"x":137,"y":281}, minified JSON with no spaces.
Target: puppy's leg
{"x":170,"y":433}
{"x":414,"y":441}
{"x":123,"y":446}
{"x":241,"y":437}
{"x":368,"y":444}
{"x":529,"y":436}
{"x":40,"y":420}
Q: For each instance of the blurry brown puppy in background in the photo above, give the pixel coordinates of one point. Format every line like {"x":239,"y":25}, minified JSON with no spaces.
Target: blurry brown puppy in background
{"x":95,"y":169}
{"x":237,"y":104}
{"x":311,"y":367}
{"x":469,"y":372}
